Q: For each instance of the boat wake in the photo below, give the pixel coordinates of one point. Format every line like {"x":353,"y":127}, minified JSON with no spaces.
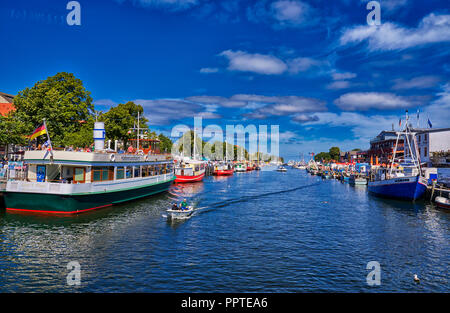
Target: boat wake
{"x":228,"y":202}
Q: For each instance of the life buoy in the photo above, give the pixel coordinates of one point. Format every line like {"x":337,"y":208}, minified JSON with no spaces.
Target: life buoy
{"x":112,"y":157}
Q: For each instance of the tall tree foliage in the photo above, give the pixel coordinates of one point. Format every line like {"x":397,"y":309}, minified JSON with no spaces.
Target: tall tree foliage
{"x":62,"y":100}
{"x":12,"y":131}
{"x":121,"y":118}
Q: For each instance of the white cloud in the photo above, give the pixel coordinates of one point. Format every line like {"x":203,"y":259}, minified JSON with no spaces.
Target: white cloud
{"x":209,"y":70}
{"x":362,"y":101}
{"x":271,"y":65}
{"x":164,"y":111}
{"x":305,"y":64}
{"x":285,"y":106}
{"x":362,"y":126}
{"x":340,"y":84}
{"x":290,"y":12}
{"x":256,"y":63}
{"x":282,"y":13}
{"x":304,"y":118}
{"x":389,"y":36}
{"x":416,"y":82}
{"x":339,"y":76}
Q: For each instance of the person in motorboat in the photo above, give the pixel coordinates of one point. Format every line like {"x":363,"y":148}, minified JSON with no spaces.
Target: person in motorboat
{"x":175,"y":207}
{"x":183,"y":205}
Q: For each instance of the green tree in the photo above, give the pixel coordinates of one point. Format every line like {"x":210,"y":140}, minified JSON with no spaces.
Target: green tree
{"x":335,"y":153}
{"x":165,"y":144}
{"x":61,"y":99}
{"x":322,"y":156}
{"x":121,"y":118}
{"x":82,"y":138}
{"x":12,"y":131}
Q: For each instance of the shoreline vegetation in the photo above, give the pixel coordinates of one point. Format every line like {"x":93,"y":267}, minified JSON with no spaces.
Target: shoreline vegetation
{"x":69,"y":111}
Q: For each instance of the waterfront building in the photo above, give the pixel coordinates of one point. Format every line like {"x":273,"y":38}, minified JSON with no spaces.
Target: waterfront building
{"x":382,"y":148}
{"x":432,"y":140}
{"x":6,"y":103}
{"x":354,"y":156}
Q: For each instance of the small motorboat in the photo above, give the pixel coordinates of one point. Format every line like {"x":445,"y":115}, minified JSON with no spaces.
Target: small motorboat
{"x":180,"y":214}
{"x":442,"y":202}
{"x":281,"y":169}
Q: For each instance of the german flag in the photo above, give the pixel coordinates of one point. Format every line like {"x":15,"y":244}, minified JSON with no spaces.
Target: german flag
{"x":39,"y":131}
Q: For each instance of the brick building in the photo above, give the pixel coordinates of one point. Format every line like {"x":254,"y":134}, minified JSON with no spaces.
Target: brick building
{"x":382,"y":148}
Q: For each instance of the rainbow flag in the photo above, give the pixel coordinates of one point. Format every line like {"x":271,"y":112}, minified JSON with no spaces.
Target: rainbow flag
{"x":39,"y":131}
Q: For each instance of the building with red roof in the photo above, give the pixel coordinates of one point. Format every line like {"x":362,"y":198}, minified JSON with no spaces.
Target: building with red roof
{"x":6,"y":103}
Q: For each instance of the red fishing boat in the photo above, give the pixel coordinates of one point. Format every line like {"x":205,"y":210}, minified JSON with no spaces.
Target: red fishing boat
{"x":223,"y":170}
{"x":190,"y":171}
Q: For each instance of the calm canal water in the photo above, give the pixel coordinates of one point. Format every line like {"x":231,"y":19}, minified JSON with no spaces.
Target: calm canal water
{"x":249,"y":237}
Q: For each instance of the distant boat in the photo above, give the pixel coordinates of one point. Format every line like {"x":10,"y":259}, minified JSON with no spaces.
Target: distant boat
{"x":190,"y":171}
{"x":281,"y":169}
{"x":357,"y":180}
{"x":223,"y":169}
{"x":401,"y":181}
{"x":442,"y":202}
{"x":240,"y":168}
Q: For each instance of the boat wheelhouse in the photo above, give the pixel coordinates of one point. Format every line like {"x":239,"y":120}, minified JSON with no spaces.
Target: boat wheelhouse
{"x":66,"y":182}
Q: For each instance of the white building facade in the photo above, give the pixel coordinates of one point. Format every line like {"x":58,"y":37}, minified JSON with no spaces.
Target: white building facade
{"x":432,"y":140}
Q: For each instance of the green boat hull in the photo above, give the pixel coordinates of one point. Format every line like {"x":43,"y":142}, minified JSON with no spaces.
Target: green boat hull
{"x":74,"y":204}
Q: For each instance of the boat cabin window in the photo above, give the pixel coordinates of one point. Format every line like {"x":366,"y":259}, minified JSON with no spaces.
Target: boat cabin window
{"x":137,"y":171}
{"x":79,"y":175}
{"x":120,"y":173}
{"x":129,"y":172}
{"x":144,"y":171}
{"x":102,"y":173}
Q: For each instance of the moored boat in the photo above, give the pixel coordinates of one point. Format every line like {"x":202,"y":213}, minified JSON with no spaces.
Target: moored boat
{"x":357,"y":180}
{"x":239,"y":167}
{"x":404,"y":180}
{"x":442,"y":202}
{"x":67,"y":182}
{"x":281,"y":168}
{"x":190,"y":171}
{"x":223,"y":169}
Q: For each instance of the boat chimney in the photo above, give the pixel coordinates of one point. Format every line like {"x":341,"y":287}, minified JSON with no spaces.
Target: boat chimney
{"x":99,"y":136}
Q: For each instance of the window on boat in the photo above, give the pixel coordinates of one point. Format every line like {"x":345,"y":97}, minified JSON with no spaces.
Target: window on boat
{"x":102,"y":173}
{"x":137,"y":171}
{"x":145,"y":171}
{"x":151,"y":170}
{"x":120,"y":173}
{"x":129,"y":172}
{"x":79,"y":175}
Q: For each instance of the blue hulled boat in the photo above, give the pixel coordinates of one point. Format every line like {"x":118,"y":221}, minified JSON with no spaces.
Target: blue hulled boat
{"x":404,"y":180}
{"x":406,"y":187}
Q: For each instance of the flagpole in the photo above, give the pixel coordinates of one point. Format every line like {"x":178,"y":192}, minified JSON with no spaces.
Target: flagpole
{"x":48,"y":136}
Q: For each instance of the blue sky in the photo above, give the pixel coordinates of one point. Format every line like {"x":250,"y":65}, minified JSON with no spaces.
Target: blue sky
{"x":316,"y":68}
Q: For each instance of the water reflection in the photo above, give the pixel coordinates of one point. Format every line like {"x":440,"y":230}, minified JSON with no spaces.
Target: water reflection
{"x":316,"y":238}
